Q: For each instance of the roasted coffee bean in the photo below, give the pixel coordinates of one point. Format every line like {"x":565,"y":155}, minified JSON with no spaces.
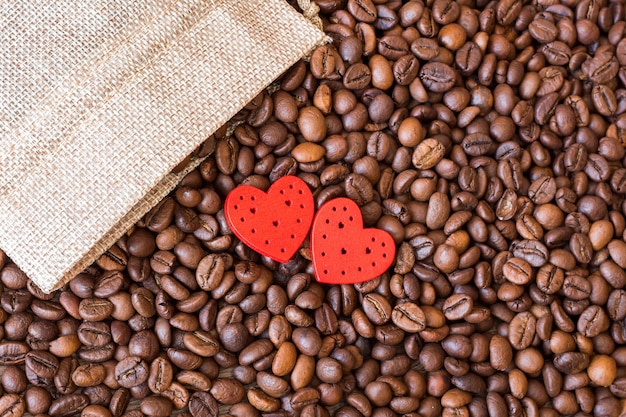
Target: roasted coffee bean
{"x":457,"y":306}
{"x":12,"y":405}
{"x":201,"y":343}
{"x":362,"y":10}
{"x":593,"y":321}
{"x":37,"y":400}
{"x":41,"y":366}
{"x":89,"y":375}
{"x":437,"y":77}
{"x":68,"y":405}
{"x":131,"y":372}
{"x":427,"y":154}
{"x":156,"y":406}
{"x":113,"y":260}
{"x":522,"y":330}
{"x":13,"y":353}
{"x":95,"y":309}
{"x":393,"y":47}
{"x":13,"y":380}
{"x":408,"y":317}
{"x":119,"y":401}
{"x":376,"y":308}
{"x":227,"y":391}
{"x":576,"y":287}
{"x":357,"y":77}
{"x":532,"y":251}
{"x":203,"y":404}
{"x":144,"y":344}
{"x":160,"y":376}
{"x":211,"y":270}
{"x":468,"y":58}
{"x":517,"y":271}
{"x":571,"y":362}
{"x":92,"y":333}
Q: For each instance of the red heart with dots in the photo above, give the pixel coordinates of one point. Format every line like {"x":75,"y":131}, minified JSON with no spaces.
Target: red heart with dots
{"x":343,"y":251}
{"x":274,"y":223}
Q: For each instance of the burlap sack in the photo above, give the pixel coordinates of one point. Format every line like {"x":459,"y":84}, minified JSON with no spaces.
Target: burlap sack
{"x":100,"y":99}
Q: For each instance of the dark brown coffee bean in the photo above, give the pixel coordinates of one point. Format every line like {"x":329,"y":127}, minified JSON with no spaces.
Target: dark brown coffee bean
{"x":437,"y":77}
{"x":357,"y":76}
{"x":405,"y":69}
{"x":94,"y":333}
{"x":203,"y":404}
{"x":517,"y":271}
{"x":581,"y":248}
{"x":602,"y":67}
{"x":393,"y":47}
{"x":41,"y":366}
{"x":427,"y":154}
{"x":522,"y":330}
{"x":227,"y":391}
{"x":144,"y":344}
{"x":593,"y":321}
{"x":377,"y":308}
{"x":457,"y":306}
{"x":477,"y":144}
{"x":13,"y":380}
{"x":468,"y":58}
{"x":543,"y":30}
{"x":307,"y":340}
{"x":156,"y":406}
{"x":425,"y":48}
{"x":201,"y":343}
{"x":113,"y":260}
{"x":362,"y":10}
{"x":576,"y":287}
{"x":615,"y":304}
{"x":89,"y":375}
{"x":255,"y":351}
{"x":131,"y":372}
{"x":161,"y":216}
{"x":408,"y":317}
{"x":532,"y":251}
{"x":95,"y":309}
{"x":550,"y":279}
{"x":12,"y":277}
{"x":359,"y":189}
{"x":160,"y":376}
{"x":184,"y":359}
{"x":37,"y":400}
{"x":12,"y":405}
{"x":13,"y":353}
{"x":211,"y":270}
{"x":571,"y":362}
{"x":68,"y":405}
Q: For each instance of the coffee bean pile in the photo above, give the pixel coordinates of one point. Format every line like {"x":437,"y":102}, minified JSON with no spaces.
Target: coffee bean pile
{"x":488,"y":138}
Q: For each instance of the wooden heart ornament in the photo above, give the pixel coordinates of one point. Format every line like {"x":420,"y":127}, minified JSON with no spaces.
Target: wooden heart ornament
{"x":343,"y":251}
{"x":274,"y":223}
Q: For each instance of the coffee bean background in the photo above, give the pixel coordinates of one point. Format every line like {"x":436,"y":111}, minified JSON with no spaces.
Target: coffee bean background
{"x":487,"y":137}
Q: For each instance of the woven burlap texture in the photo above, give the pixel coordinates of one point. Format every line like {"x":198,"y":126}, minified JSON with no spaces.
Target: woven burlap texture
{"x":100,"y":99}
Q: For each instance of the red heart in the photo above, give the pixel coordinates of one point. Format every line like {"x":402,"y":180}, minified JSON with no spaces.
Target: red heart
{"x":343,"y":251}
{"x":274,"y":223}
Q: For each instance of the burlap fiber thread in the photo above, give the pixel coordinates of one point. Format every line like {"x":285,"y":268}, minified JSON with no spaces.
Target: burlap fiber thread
{"x":100,"y":99}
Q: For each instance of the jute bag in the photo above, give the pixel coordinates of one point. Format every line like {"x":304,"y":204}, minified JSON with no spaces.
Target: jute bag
{"x":101,"y":99}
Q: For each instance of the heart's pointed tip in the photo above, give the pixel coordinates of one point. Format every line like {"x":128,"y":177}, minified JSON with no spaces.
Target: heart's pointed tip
{"x":281,"y":259}
{"x":335,"y":280}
